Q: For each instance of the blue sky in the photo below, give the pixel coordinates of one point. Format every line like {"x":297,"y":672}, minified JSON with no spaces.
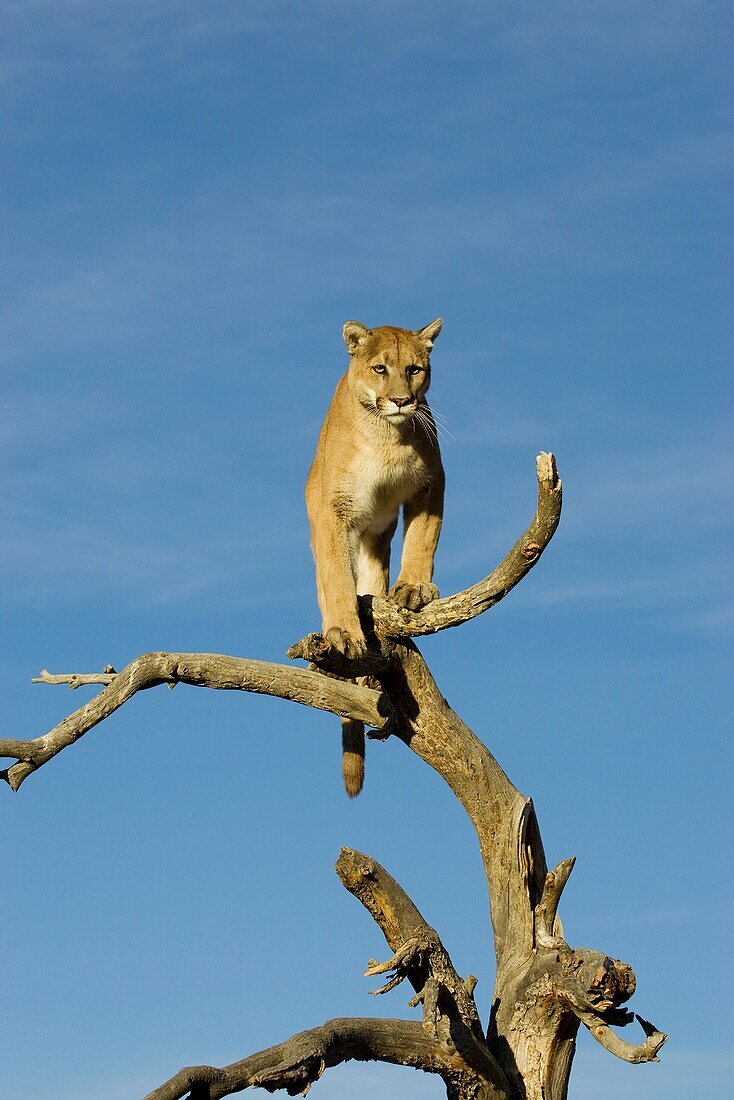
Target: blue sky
{"x":196,"y":197}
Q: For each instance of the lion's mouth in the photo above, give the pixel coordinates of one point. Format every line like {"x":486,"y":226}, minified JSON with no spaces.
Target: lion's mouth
{"x":398,"y":412}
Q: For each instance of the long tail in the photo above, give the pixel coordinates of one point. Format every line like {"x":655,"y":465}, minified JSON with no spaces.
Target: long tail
{"x":353,"y":755}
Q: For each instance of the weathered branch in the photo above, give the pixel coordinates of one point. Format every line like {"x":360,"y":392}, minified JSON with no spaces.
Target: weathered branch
{"x":296,"y":1064}
{"x":449,"y":1010}
{"x":504,"y":819}
{"x":212,"y":670}
{"x":417,"y":948}
{"x":77,"y":679}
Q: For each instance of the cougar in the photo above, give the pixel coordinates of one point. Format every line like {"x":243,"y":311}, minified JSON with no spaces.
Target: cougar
{"x":377,"y":451}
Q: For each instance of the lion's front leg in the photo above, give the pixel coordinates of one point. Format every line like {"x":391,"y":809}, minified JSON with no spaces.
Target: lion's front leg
{"x":423,"y":515}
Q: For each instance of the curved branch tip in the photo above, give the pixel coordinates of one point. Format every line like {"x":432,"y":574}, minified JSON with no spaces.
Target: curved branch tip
{"x":545,"y":464}
{"x":636,"y":1053}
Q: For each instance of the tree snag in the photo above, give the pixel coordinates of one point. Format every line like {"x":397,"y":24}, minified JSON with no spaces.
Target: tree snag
{"x":544,"y":987}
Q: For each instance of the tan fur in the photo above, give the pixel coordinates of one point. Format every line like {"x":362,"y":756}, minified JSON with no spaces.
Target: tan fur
{"x":377,"y":452}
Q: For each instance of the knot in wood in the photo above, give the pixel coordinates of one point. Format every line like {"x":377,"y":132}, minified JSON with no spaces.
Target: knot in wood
{"x":530,"y":551}
{"x":570,"y":961}
{"x":613,"y":982}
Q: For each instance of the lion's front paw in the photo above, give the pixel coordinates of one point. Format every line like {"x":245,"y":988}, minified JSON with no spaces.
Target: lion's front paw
{"x":413,"y":596}
{"x":349,"y":645}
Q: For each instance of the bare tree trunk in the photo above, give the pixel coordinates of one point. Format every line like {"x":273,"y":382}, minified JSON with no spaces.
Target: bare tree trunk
{"x":544,"y":987}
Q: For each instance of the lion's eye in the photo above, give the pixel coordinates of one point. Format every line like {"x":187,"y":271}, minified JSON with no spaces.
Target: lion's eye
{"x":379,"y":368}
{"x":415,"y":369}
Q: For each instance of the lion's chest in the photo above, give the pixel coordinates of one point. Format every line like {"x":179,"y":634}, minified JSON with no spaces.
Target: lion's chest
{"x":382,"y":480}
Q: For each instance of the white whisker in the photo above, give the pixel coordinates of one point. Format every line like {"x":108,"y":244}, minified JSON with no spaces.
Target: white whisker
{"x":441,"y":423}
{"x":426,"y":422}
{"x":419,"y":419}
{"x":427,"y":415}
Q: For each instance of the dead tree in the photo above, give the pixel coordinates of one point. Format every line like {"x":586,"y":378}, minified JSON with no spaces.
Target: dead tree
{"x":544,"y":987}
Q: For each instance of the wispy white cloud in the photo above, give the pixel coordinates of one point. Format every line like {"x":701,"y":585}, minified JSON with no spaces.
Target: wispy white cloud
{"x":48,"y":33}
{"x":643,"y":531}
{"x":678,"y":598}
{"x":720,"y":617}
{"x":63,"y":558}
{"x":496,"y":421}
{"x":205,"y":245}
{"x":625,"y":28}
{"x":688,"y":486}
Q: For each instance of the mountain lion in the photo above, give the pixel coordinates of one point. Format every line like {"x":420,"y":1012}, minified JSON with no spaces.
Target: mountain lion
{"x":378,"y":450}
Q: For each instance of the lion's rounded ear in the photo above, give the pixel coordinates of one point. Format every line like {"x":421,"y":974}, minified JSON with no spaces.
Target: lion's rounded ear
{"x":430,"y":332}
{"x":354,"y":334}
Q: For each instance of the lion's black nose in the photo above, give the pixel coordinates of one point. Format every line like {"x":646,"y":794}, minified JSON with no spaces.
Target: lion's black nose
{"x":400,"y":401}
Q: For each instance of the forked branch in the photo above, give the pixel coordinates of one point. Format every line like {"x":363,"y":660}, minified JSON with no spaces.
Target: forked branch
{"x":419,"y":954}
